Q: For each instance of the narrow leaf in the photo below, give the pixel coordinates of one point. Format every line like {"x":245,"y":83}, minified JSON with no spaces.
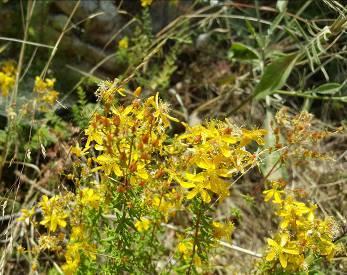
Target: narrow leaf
{"x":328,"y":88}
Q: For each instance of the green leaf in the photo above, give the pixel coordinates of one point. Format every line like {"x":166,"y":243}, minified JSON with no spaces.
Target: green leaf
{"x":328,"y":88}
{"x":243,"y":52}
{"x":275,"y":75}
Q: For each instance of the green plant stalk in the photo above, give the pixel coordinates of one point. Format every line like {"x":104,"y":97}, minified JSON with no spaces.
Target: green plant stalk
{"x":196,"y":237}
{"x":303,"y":94}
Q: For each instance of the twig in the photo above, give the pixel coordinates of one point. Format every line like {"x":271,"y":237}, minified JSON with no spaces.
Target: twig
{"x":222,"y":243}
{"x":240,"y":249}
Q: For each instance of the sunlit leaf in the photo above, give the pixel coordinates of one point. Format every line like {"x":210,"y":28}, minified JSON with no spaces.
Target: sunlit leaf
{"x":275,"y":75}
{"x":243,"y":52}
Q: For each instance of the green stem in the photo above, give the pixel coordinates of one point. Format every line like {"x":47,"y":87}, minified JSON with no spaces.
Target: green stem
{"x":196,"y":235}
{"x":302,"y":94}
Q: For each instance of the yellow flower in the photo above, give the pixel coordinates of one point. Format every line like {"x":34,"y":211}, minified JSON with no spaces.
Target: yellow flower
{"x":53,"y":220}
{"x":93,"y":134}
{"x":222,"y":230}
{"x":164,"y":206}
{"x":43,"y":85}
{"x":279,"y":250}
{"x":90,"y":198}
{"x":108,"y":164}
{"x":78,"y":151}
{"x":71,"y":266}
{"x":141,"y":171}
{"x":7,"y":77}
{"x":49,"y":242}
{"x":50,"y":97}
{"x":54,"y":215}
{"x":161,"y":110}
{"x":78,"y":233}
{"x":185,"y":248}
{"x":291,"y":211}
{"x":123,"y":43}
{"x":211,"y":166}
{"x":143,"y":224}
{"x":250,"y":135}
{"x":273,"y":193}
{"x":146,"y":3}
{"x":198,"y":184}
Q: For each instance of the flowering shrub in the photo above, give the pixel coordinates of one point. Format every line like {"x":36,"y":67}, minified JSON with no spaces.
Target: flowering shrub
{"x":133,"y":176}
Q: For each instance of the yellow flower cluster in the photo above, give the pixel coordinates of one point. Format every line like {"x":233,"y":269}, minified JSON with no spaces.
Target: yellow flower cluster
{"x":47,"y":95}
{"x":7,"y":77}
{"x":185,"y":248}
{"x":301,"y":232}
{"x":216,"y":152}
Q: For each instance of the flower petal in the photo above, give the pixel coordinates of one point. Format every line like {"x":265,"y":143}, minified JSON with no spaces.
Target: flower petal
{"x":270,"y":256}
{"x":205,"y":196}
{"x":192,"y":194}
{"x":283,"y":260}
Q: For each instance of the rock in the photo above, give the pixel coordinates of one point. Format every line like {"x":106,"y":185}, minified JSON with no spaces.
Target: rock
{"x":77,"y":49}
{"x":97,"y":29}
